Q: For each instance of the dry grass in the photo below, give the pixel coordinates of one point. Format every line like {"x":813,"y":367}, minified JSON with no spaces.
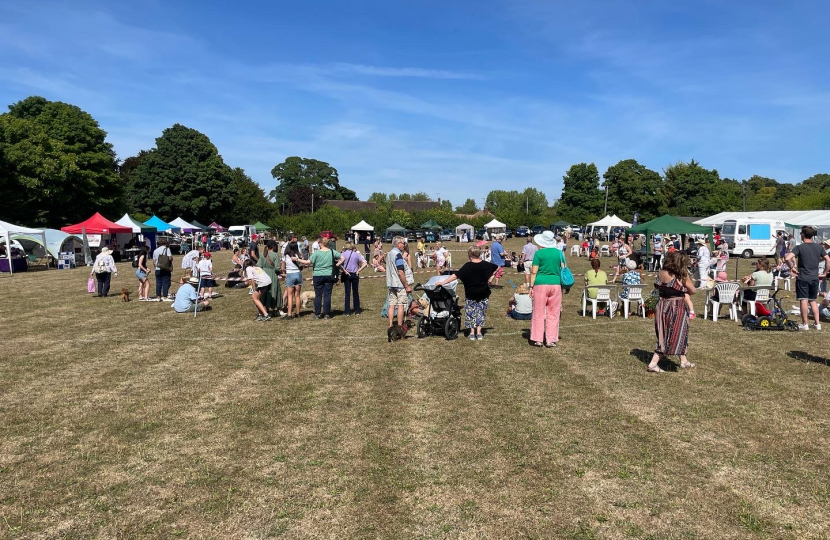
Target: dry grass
{"x":130,"y":421}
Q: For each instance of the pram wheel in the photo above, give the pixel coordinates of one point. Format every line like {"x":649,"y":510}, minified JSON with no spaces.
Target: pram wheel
{"x":451,"y":328}
{"x":423,"y":327}
{"x":746,"y":319}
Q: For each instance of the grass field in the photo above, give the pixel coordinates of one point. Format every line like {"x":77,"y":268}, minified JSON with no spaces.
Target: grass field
{"x":131,"y":421}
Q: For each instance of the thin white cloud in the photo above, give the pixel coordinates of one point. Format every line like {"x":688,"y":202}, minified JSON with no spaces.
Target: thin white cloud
{"x":422,"y":73}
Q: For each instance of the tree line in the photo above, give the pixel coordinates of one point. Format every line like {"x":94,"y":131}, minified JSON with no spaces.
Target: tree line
{"x":56,"y":167}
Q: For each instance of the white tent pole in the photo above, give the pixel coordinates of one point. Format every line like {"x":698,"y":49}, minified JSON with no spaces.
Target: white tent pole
{"x":9,"y":252}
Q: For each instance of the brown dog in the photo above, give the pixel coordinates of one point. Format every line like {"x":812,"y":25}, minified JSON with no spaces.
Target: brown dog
{"x":396,"y":332}
{"x":125,"y":295}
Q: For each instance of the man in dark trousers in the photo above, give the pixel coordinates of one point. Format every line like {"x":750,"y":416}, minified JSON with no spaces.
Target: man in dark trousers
{"x":809,"y":254}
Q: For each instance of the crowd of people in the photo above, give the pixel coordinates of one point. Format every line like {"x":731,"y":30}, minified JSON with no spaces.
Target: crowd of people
{"x":273,"y":275}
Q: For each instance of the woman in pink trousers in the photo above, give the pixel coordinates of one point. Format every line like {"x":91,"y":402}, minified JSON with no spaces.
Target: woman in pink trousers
{"x":546,"y":291}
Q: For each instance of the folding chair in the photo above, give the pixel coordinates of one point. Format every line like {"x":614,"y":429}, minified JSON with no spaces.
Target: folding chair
{"x":575,"y":250}
{"x":726,"y":296}
{"x":761,"y":295}
{"x":605,"y":250}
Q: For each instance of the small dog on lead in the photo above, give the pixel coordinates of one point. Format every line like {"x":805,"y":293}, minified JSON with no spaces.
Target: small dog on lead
{"x":396,"y":333}
{"x":125,"y":295}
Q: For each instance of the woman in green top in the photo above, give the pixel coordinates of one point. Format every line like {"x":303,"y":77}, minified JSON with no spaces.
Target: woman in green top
{"x":324,"y":262}
{"x":546,"y":291}
{"x":270,"y":264}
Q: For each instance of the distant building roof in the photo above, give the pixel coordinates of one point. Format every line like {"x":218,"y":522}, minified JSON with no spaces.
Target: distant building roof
{"x":415,"y":206}
{"x":484,"y":212}
{"x":355,"y":206}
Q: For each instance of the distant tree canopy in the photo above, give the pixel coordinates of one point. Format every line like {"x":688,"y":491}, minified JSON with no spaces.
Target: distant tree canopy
{"x":581,"y":200}
{"x":184,"y":175}
{"x":469,"y":207}
{"x":315,"y":175}
{"x":55,"y":164}
{"x":634,"y":188}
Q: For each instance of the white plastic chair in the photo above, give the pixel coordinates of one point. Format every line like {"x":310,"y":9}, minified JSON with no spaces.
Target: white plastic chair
{"x":786,"y":281}
{"x":726,"y":295}
{"x":635,"y":294}
{"x":761,"y":295}
{"x":604,"y":250}
{"x":603,"y":295}
{"x":575,"y":250}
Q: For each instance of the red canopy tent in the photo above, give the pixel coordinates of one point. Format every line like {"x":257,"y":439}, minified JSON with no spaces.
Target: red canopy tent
{"x":97,"y":224}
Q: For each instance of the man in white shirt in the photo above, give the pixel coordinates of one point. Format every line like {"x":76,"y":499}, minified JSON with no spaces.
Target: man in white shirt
{"x":316,"y":245}
{"x":292,"y":238}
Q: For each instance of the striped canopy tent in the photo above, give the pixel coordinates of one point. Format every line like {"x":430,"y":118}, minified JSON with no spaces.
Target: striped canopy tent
{"x":216,"y":227}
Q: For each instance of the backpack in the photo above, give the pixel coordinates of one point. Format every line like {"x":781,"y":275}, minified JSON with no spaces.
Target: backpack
{"x":100,"y":266}
{"x":135,"y":261}
{"x":165,"y":262}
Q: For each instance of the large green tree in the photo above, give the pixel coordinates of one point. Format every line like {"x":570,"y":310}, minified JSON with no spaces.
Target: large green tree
{"x":319,"y":176}
{"x":184,"y":175}
{"x":249,"y":202}
{"x":469,"y":207}
{"x":581,"y":200}
{"x":634,"y":188}
{"x":56,"y":167}
{"x":689,"y":189}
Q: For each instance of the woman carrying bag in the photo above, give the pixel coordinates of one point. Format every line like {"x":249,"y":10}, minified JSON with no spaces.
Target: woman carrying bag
{"x":351,"y":262}
{"x":548,"y":275}
{"x":323,"y":261}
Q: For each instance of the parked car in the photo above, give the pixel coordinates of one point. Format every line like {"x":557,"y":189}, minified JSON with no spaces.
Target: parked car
{"x":522,"y":232}
{"x":430,"y":236}
{"x":387,"y":237}
{"x":446,"y":235}
{"x":538,"y":229}
{"x":413,"y":235}
{"x":480,"y":234}
{"x":508,"y":232}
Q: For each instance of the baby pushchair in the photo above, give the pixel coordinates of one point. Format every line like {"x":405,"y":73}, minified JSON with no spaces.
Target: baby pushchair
{"x":444,"y":314}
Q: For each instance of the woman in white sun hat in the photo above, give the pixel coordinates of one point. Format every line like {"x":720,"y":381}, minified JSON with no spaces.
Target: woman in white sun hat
{"x":546,"y":290}
{"x":103,"y":269}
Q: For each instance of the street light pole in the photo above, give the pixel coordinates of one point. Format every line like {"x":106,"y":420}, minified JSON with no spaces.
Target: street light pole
{"x":606,"y":198}
{"x":312,"y":200}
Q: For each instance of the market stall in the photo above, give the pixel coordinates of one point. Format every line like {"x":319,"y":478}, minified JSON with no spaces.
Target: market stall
{"x":99,"y":232}
{"x":161,"y":225}
{"x":185,"y":226}
{"x":464,"y":233}
{"x":495,"y":227}
{"x":141,"y":235}
{"x":10,"y":263}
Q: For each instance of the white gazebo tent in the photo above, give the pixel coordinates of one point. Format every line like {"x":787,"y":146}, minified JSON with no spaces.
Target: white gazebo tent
{"x":184,"y":225}
{"x":607,"y":222}
{"x":495,"y":226}
{"x":464,"y":230}
{"x":362,"y":226}
{"x":8,"y":229}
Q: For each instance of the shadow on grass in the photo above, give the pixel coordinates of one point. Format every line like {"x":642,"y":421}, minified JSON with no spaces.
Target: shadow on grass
{"x":645,"y":357}
{"x":808,"y":358}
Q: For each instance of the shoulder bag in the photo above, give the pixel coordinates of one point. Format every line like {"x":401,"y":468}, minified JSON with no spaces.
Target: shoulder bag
{"x":566,"y":277}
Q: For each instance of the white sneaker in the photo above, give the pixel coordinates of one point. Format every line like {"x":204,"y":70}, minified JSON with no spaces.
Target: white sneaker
{"x":817,"y":326}
{"x":168,"y":300}
{"x":804,"y":327}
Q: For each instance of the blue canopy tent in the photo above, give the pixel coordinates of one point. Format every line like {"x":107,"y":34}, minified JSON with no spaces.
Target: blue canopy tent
{"x":161,"y":225}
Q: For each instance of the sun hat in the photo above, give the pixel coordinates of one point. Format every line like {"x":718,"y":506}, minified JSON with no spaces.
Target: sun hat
{"x":673,"y":236}
{"x":721,"y":277}
{"x":546,"y":239}
{"x":193,"y":281}
{"x":105,"y":251}
{"x":701,"y":241}
{"x":631,"y":264}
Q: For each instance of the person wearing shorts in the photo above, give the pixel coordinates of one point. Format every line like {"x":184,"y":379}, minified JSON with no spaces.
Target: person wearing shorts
{"x":809,"y":254}
{"x":396,"y":281}
{"x":528,"y":251}
{"x":290,"y":266}
{"x":497,"y":257}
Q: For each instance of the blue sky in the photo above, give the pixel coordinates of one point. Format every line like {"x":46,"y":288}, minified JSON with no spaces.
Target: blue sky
{"x":451,"y":98}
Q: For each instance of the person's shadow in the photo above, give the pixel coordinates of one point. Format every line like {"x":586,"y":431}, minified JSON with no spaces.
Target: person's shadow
{"x":808,"y":358}
{"x":645,"y":357}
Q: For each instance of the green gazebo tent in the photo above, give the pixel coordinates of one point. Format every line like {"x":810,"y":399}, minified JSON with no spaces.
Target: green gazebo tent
{"x":669,"y":225}
{"x":260,"y":226}
{"x":396,"y":227}
{"x":431,"y":225}
{"x":201,"y":227}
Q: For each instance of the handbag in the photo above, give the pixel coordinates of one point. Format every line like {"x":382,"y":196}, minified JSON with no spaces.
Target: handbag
{"x":520,"y":267}
{"x":90,"y":285}
{"x":566,"y":277}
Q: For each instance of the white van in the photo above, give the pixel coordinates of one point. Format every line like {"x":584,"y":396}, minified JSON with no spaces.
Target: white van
{"x":242,"y":233}
{"x":751,"y":237}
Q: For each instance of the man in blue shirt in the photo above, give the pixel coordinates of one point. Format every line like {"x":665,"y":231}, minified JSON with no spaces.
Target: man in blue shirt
{"x":397,"y":281}
{"x":186,"y":296}
{"x":497,"y":257}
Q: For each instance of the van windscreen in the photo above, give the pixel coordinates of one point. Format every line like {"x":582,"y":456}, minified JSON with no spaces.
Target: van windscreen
{"x":728,"y":228}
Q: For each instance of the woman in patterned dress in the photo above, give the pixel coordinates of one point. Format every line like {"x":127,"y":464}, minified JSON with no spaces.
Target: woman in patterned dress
{"x":671,"y":316}
{"x":476,"y":276}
